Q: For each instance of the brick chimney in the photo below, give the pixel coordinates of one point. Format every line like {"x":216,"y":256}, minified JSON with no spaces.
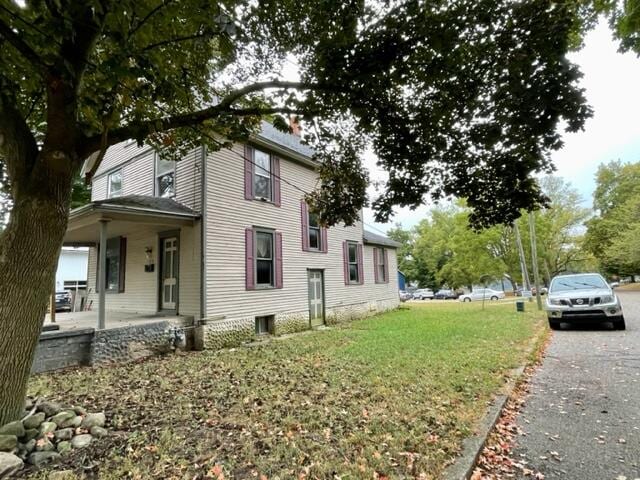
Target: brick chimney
{"x":294,"y":125}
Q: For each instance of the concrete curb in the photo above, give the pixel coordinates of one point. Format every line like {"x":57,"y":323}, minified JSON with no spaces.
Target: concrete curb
{"x":465,"y":463}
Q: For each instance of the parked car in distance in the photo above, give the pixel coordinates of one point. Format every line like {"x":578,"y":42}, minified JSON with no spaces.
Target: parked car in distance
{"x":63,"y":301}
{"x":582,"y":298}
{"x":423,"y":294}
{"x":481,"y":293}
{"x":445,"y":294}
{"x":404,"y":296}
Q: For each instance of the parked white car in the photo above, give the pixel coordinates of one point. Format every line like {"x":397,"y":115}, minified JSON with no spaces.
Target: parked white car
{"x":582,"y":298}
{"x":481,"y":293}
{"x":423,"y":294}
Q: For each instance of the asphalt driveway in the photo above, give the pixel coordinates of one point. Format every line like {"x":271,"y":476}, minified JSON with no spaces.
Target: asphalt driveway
{"x":582,"y":418}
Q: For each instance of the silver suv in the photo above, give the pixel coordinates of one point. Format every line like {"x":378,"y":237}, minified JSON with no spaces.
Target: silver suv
{"x":581,"y":298}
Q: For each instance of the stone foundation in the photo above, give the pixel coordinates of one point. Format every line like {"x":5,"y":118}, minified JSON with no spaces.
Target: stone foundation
{"x":225,"y":333}
{"x":70,"y":348}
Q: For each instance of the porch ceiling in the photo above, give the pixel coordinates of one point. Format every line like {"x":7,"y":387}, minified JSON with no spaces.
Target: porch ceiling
{"x":125,"y":214}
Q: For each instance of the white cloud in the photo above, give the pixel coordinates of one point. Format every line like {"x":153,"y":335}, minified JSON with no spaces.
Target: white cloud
{"x":611,"y":81}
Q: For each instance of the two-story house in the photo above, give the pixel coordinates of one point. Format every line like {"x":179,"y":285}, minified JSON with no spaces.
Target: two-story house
{"x":225,"y":237}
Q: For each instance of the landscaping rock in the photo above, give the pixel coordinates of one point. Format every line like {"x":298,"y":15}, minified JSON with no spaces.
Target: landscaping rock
{"x":30,"y":446}
{"x":64,"y":447}
{"x":98,"y":432}
{"x":79,"y":411}
{"x":28,"y":404}
{"x":44,"y":445}
{"x":40,"y":458}
{"x":81,"y":441}
{"x":62,"y":475}
{"x":94,"y":420}
{"x":47,"y":427}
{"x":62,"y":417}
{"x":9,"y":464}
{"x":50,"y":408}
{"x":34,"y":420}
{"x":30,"y":434}
{"x":8,"y":443}
{"x":72,"y":422}
{"x":64,"y":434}
{"x":14,"y":428}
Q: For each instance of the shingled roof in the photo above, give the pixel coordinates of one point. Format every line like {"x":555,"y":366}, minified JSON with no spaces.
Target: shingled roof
{"x":375,"y":239}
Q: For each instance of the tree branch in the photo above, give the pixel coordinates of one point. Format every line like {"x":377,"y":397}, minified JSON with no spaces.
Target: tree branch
{"x":169,"y":41}
{"x":147,"y":17}
{"x":142,"y":129}
{"x":21,"y":46}
{"x":17,"y":144}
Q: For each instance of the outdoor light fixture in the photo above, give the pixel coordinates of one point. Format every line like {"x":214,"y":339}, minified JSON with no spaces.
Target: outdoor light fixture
{"x":148,"y":252}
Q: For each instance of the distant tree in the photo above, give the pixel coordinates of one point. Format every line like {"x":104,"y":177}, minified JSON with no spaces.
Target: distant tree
{"x":612,"y":234}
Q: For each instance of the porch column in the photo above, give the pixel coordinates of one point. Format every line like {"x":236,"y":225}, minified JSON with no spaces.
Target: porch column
{"x":102,"y":270}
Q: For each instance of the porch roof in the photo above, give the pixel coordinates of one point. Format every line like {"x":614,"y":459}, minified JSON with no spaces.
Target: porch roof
{"x":121,"y":213}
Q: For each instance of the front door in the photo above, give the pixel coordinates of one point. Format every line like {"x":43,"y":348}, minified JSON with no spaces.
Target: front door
{"x":316,"y":297}
{"x":169,"y":288}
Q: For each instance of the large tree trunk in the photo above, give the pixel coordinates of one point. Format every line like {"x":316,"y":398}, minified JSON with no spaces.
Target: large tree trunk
{"x":29,"y":250}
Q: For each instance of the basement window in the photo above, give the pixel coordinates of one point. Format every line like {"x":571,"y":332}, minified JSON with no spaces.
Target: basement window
{"x":264,"y":325}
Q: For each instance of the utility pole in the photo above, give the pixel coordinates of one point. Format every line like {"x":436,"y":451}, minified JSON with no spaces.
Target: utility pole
{"x":523,"y":261}
{"x":534,"y":258}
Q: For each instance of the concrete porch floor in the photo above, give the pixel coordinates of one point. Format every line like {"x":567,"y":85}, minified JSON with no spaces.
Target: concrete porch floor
{"x":80,"y":320}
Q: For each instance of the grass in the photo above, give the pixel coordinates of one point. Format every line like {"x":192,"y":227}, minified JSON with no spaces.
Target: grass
{"x":387,"y":397}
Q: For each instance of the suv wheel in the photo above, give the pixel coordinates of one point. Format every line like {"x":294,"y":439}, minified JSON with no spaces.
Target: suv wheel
{"x":467,"y":299}
{"x":554,"y":324}
{"x":619,"y":324}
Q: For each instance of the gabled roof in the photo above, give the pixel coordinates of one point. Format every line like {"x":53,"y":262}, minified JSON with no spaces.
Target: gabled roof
{"x":375,"y":239}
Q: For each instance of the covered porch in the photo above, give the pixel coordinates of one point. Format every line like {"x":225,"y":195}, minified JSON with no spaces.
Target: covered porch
{"x":144,"y":262}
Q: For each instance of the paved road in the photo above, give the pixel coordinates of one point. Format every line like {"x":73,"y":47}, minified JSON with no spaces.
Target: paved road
{"x":582,"y":419}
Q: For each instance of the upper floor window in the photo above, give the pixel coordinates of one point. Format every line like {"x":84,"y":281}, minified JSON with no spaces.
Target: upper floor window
{"x":262,"y":187}
{"x":114,"y":184}
{"x":165,"y":178}
{"x":314,"y":232}
{"x":380,"y":265}
{"x":261,"y":176}
{"x":314,"y":235}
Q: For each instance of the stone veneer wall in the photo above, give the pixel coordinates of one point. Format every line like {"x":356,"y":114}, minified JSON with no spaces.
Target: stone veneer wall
{"x":131,"y":343}
{"x":226,"y":333}
{"x":70,"y":348}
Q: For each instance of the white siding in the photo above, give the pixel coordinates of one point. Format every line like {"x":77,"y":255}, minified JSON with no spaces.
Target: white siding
{"x":138,"y":174}
{"x":227,"y":216}
{"x":141,"y":288}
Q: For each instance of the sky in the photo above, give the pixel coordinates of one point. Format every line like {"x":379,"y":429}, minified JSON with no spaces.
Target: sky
{"x":612,"y":84}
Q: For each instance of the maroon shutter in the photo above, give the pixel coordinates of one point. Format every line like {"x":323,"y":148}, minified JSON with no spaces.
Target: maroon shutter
{"x":304,"y":222}
{"x":249,"y":237}
{"x":386,"y":266}
{"x":324,"y":241}
{"x":375,"y":265}
{"x":248,"y":172}
{"x":360,"y":269}
{"x":122,"y":264}
{"x":278,"y":260}
{"x":345,"y":261}
{"x":275,"y":175}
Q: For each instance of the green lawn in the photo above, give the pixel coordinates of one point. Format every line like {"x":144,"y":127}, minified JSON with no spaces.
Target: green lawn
{"x":388,"y":396}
